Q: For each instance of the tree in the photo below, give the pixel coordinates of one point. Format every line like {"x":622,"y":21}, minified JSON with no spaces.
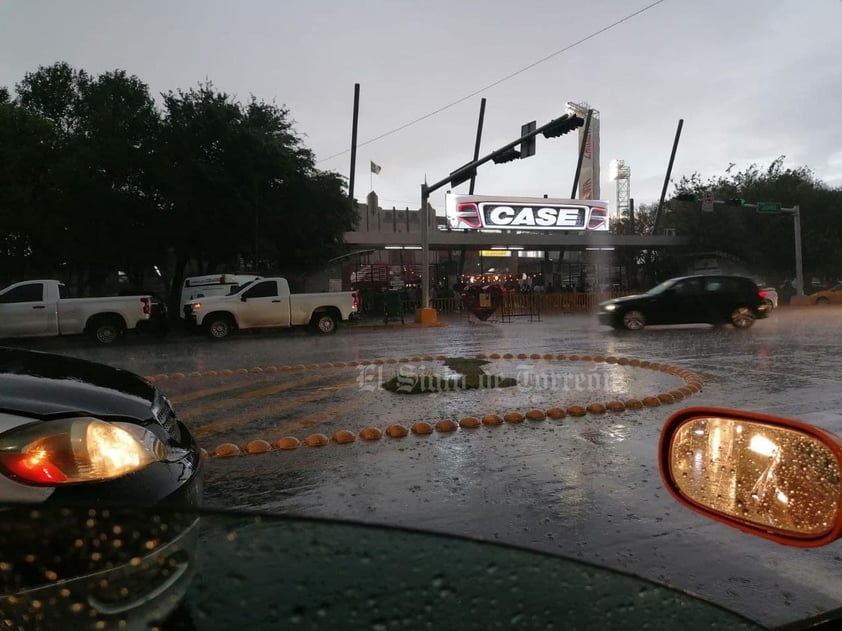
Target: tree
{"x":652,"y":264}
{"x":237,"y":180}
{"x":24,"y":153}
{"x":116,"y":126}
{"x":91,"y":212}
{"x":760,"y":239}
{"x":97,"y":179}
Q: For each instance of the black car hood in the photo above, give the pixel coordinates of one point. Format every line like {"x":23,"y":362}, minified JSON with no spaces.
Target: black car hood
{"x":42,"y":385}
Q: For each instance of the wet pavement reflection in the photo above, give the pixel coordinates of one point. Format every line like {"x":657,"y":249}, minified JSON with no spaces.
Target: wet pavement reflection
{"x":582,"y":486}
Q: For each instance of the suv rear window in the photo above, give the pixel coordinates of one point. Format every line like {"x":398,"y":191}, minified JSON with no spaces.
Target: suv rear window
{"x":725,"y":284}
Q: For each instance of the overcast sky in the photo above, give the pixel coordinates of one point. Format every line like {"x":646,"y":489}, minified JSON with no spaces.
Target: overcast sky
{"x":752,"y":79}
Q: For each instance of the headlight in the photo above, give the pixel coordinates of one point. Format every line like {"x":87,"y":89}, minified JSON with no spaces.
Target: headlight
{"x":77,"y":450}
{"x":609,"y":307}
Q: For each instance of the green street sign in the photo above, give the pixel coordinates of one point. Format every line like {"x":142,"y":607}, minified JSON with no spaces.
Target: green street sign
{"x":768,"y":207}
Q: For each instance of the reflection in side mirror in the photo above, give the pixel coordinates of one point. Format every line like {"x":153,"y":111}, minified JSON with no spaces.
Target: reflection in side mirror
{"x":769,"y":476}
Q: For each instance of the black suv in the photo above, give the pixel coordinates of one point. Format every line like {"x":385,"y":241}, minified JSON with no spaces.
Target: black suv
{"x":714,"y":299}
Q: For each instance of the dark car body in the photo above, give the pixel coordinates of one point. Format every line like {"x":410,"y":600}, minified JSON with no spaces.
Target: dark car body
{"x":41,"y":388}
{"x":125,"y":577}
{"x":711,"y":299}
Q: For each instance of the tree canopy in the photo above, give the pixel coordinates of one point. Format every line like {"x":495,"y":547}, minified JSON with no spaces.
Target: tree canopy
{"x":764,"y":242}
{"x":98,"y":177}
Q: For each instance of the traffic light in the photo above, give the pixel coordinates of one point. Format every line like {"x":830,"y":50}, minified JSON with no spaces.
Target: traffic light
{"x":563,"y":125}
{"x":506,"y":156}
{"x":735,"y":202}
{"x":686,"y":197}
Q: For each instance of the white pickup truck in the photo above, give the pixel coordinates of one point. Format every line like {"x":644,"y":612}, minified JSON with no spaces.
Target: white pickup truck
{"x":268,"y":303}
{"x":44,"y":308}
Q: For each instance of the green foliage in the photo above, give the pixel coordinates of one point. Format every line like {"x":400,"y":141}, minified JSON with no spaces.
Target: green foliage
{"x":644,"y":220}
{"x":655,"y":264}
{"x":79,"y":200}
{"x":763,"y":241}
{"x":97,"y":178}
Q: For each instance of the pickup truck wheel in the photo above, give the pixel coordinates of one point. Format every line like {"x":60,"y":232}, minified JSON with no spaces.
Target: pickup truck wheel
{"x":107,"y":330}
{"x":218,"y":326}
{"x":324,"y":323}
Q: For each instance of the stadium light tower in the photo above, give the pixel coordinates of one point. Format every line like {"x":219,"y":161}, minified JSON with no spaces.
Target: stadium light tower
{"x":620,"y":172}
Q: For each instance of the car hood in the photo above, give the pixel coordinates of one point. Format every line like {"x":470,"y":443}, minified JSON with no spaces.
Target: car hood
{"x":42,"y":385}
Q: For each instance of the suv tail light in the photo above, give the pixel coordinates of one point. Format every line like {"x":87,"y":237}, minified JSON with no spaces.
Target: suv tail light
{"x":147,"y":306}
{"x":598,"y":219}
{"x":468,"y":214}
{"x":762,"y":293}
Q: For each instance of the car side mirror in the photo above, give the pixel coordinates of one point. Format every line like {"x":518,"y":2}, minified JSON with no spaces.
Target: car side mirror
{"x":243,"y":298}
{"x":768,"y":476}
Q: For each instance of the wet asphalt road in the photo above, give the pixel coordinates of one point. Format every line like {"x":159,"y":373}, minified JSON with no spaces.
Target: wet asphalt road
{"x":585,"y":487}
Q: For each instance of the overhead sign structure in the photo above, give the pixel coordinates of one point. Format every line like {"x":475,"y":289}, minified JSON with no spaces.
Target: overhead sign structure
{"x":707,"y":201}
{"x":478,"y":212}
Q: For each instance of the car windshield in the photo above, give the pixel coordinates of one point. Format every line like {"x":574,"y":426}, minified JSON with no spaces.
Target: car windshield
{"x":484,"y":341}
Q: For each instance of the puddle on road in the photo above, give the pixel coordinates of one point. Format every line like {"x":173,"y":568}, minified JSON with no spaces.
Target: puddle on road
{"x":540,"y":384}
{"x":272,"y":406}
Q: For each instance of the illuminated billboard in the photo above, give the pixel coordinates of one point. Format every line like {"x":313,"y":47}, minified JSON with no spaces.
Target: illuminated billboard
{"x":488,"y":212}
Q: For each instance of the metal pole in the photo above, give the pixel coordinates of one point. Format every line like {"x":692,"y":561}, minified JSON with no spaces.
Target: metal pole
{"x":581,"y":153}
{"x":354,"y":143}
{"x":425,"y":247}
{"x":667,"y":178}
{"x":479,"y":139}
{"x":463,"y":173}
{"x":799,"y":270}
{"x":256,"y":226}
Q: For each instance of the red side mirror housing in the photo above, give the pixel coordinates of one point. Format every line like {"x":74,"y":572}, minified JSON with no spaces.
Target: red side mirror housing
{"x":768,"y":476}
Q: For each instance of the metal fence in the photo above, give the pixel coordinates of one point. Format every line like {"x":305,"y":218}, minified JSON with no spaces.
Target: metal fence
{"x":567,"y":302}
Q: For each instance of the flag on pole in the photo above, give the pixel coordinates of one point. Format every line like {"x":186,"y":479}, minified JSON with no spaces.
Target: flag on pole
{"x":375,"y":168}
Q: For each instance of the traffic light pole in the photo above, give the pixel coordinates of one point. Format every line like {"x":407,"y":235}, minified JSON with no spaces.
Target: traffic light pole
{"x":425,"y":247}
{"x":478,"y":141}
{"x":557,"y":126}
{"x":667,"y":176}
{"x":795,"y":211}
{"x":799,"y":270}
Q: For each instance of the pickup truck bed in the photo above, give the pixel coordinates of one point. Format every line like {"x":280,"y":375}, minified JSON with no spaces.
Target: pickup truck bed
{"x":43,"y":308}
